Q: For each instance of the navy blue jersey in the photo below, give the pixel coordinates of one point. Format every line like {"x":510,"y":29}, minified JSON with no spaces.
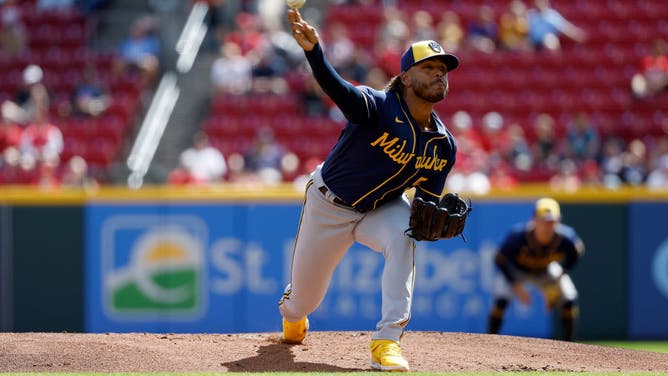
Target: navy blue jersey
{"x":521,"y":251}
{"x":381,"y":151}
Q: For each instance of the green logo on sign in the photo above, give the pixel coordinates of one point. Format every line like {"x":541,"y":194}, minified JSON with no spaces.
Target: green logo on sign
{"x":163,"y":274}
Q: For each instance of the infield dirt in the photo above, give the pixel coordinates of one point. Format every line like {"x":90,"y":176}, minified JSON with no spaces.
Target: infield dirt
{"x":321,"y":351}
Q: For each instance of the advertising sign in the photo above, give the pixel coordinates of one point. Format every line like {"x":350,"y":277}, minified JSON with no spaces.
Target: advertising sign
{"x":221,"y":268}
{"x":648,"y":271}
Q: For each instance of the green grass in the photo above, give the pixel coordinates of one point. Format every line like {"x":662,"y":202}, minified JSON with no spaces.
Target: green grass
{"x":654,"y":346}
{"x":347,"y":374}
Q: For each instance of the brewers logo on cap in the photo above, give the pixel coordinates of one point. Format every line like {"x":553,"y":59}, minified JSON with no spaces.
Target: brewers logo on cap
{"x":427,"y":49}
{"x":435,"y":46}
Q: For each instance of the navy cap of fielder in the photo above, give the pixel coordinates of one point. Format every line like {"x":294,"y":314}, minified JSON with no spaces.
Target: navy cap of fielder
{"x":427,"y":49}
{"x":547,"y":209}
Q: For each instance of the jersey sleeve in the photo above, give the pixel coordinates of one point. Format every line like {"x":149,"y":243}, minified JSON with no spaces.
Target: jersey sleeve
{"x":502,"y":264}
{"x":353,"y":102}
{"x":574,"y":248}
{"x":507,"y":253}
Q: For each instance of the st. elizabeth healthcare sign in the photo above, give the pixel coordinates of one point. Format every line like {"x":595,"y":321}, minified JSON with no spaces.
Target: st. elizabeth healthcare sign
{"x":221,"y":268}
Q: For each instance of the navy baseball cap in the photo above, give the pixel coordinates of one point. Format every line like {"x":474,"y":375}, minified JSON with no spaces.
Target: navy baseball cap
{"x":427,"y":49}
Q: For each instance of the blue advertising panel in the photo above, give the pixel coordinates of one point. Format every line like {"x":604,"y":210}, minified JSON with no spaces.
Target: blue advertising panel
{"x":648,"y":270}
{"x":220,"y":267}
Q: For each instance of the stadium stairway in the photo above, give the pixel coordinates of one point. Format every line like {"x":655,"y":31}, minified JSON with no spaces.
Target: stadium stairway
{"x":191,"y":109}
{"x":194,"y":95}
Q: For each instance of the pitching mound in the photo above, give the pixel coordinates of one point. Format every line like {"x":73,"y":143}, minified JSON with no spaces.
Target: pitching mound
{"x":322,"y":351}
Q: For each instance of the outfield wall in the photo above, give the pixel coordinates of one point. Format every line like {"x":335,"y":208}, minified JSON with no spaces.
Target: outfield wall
{"x":216,"y":260}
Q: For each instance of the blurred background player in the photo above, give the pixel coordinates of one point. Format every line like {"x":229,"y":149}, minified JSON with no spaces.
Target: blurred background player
{"x":540,"y":252}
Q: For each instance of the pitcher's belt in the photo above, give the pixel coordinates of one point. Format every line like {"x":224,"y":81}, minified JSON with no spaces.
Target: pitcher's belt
{"x":323,"y":189}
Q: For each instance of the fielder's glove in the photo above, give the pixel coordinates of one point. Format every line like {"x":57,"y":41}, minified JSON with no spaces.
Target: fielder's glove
{"x":432,"y":222}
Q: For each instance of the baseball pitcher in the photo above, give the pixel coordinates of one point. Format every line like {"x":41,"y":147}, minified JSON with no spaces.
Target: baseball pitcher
{"x":392,"y":141}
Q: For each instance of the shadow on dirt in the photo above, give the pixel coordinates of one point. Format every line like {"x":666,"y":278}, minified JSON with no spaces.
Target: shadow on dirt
{"x":278,"y":357}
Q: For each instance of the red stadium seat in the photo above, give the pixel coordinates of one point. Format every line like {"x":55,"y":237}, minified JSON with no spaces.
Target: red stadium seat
{"x":73,"y":146}
{"x":289,"y":125}
{"x":110,"y":127}
{"x":100,"y":151}
{"x":74,"y":35}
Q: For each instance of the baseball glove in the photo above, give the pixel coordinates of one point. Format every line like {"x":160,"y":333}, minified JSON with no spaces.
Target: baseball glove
{"x":429,"y":221}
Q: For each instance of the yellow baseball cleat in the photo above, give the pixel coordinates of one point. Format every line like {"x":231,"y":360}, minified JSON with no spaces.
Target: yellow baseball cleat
{"x":386,"y":356}
{"x":295,"y":332}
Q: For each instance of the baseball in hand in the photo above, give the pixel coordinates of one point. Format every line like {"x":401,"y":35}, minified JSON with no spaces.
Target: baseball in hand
{"x":295,"y":4}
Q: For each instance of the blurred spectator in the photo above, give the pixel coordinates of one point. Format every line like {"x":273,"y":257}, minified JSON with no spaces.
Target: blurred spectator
{"x":9,"y":165}
{"x":10,"y":134}
{"x":30,"y":99}
{"x":286,"y":54}
{"x":270,"y":12}
{"x":546,"y":146}
{"x":653,"y":75}
{"x":47,"y":174}
{"x":268,"y":74}
{"x":546,"y":25}
{"x":201,"y":162}
{"x":41,"y":139}
{"x":55,"y":5}
{"x":422,"y":26}
{"x":657,"y":150}
{"x":514,"y":28}
{"x":449,"y":31}
{"x":314,"y":100}
{"x":582,"y":139}
{"x":500,"y":177}
{"x":388,"y":54}
{"x":76,"y":174}
{"x":611,"y":163}
{"x":392,"y":36}
{"x":300,"y":181}
{"x":472,"y":159}
{"x":220,"y":20}
{"x":247,"y":35}
{"x":567,"y":178}
{"x":265,"y":156}
{"x":90,"y":97}
{"x":139,"y":51}
{"x":464,"y":130}
{"x":376,"y":78}
{"x":88,"y":7}
{"x":591,"y":174}
{"x":657,"y":179}
{"x":493,"y":133}
{"x":518,"y":151}
{"x":18,"y":168}
{"x":231,"y":71}
{"x":340,"y":48}
{"x":393,"y":29}
{"x":237,"y":172}
{"x":634,"y":170}
{"x":13,"y":33}
{"x":359,"y":67}
{"x":483,"y":32}
{"x":468,"y":179}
